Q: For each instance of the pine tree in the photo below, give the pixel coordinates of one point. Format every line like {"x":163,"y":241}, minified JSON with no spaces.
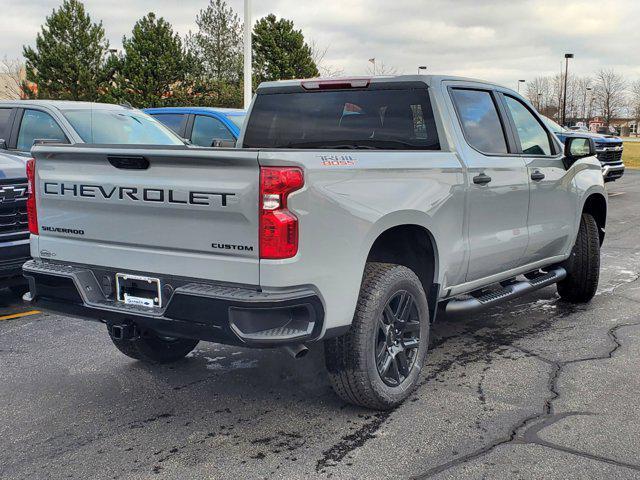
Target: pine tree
{"x":218,"y":42}
{"x":217,"y":48}
{"x":154,"y":69}
{"x":69,"y":59}
{"x":280,"y":52}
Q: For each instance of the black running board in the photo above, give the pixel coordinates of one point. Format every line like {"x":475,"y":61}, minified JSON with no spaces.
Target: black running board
{"x":514,"y":290}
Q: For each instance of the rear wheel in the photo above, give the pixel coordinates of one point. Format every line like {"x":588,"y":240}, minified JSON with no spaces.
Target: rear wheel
{"x":378,"y":362}
{"x":583,"y":266}
{"x":153,"y":348}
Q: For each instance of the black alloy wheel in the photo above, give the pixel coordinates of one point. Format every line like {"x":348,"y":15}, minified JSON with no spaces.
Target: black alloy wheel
{"x":398,"y":338}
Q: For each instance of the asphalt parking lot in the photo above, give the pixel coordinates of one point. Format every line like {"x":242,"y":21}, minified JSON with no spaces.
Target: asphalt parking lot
{"x":533,"y":389}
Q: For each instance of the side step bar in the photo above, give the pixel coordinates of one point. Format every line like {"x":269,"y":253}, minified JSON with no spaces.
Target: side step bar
{"x":514,"y":290}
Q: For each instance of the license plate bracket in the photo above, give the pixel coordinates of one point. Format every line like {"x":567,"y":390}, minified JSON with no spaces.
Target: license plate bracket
{"x":138,"y":290}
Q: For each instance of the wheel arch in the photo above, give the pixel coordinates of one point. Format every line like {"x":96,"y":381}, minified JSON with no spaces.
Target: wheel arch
{"x":596,"y":205}
{"x":409,"y":244}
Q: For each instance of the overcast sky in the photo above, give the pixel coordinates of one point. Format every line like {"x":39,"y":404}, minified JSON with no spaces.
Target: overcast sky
{"x":497,"y":40}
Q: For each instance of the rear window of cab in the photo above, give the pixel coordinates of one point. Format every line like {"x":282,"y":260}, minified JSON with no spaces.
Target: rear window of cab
{"x":372,"y":119}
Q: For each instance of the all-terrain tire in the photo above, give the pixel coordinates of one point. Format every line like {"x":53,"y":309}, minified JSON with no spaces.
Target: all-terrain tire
{"x":151,"y":348}
{"x":351,"y":359}
{"x":583,"y":266}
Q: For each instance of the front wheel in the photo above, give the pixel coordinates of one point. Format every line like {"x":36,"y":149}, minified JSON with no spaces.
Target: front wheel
{"x":152,"y":348}
{"x":378,"y":362}
{"x":583,"y":266}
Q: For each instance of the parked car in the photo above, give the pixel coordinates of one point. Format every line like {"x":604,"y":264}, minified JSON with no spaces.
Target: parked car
{"x":608,"y":148}
{"x":24,"y":122}
{"x":202,"y":126}
{"x":578,"y":128}
{"x":14,"y":232}
{"x":328,"y":225}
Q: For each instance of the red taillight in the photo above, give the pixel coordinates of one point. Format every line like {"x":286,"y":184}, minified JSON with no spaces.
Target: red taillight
{"x":32,"y":211}
{"x":278,"y":226}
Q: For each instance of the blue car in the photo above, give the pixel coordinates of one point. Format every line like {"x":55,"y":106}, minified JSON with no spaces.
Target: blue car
{"x":608,"y":148}
{"x":202,"y":126}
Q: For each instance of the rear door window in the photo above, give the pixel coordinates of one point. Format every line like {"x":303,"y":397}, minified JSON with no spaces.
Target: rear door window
{"x":395,"y":119}
{"x":480,"y":121}
{"x":175,"y":121}
{"x":208,"y":129}
{"x":38,"y":125}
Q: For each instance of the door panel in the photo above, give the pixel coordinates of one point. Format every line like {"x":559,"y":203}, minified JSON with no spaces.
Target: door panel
{"x":498,"y":233}
{"x":552,"y":211}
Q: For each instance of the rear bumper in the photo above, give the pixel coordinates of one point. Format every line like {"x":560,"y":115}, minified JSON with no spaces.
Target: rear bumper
{"x":204,"y":311}
{"x":612,"y":172}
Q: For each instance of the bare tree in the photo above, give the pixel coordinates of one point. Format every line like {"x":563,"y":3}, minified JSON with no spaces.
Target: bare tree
{"x":319,"y":54}
{"x":610,"y":93}
{"x":10,"y":78}
{"x":378,"y":67}
{"x":540,"y":93}
{"x":634,"y":103}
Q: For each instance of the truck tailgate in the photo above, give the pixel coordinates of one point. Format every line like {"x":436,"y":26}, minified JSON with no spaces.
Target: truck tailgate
{"x":175,"y":211}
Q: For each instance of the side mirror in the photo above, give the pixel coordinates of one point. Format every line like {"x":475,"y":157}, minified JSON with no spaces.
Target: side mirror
{"x":576,"y":148}
{"x":217,"y":143}
{"x":3,"y":144}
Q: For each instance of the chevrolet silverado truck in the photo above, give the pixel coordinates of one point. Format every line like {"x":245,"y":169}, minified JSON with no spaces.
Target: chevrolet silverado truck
{"x":349,"y":211}
{"x":609,"y":149}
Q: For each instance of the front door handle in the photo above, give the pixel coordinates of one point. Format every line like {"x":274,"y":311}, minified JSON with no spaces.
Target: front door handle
{"x":537,"y":176}
{"x":481,"y":179}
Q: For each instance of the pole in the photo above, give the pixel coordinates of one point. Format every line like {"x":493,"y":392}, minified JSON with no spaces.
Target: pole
{"x":248,"y":94}
{"x":567,"y":56}
{"x":564,"y":97}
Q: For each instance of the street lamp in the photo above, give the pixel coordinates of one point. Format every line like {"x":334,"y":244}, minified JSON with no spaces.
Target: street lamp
{"x":519,"y":82}
{"x":567,"y":56}
{"x":539,"y":101}
{"x":248,"y":90}
{"x":421,"y":68}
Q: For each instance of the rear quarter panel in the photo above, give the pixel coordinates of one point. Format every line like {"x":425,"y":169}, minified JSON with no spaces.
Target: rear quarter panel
{"x":349,"y":199}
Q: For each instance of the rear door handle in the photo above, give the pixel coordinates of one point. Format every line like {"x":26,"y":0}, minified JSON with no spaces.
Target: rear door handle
{"x":537,"y":176}
{"x":481,"y":179}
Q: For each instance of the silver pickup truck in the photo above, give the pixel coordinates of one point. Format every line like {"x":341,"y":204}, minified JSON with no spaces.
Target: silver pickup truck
{"x":349,"y":211}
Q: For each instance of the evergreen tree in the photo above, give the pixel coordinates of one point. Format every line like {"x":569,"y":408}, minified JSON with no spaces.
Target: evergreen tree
{"x":217,"y":48}
{"x":280,"y":52}
{"x":69,"y":59}
{"x":155,"y":69}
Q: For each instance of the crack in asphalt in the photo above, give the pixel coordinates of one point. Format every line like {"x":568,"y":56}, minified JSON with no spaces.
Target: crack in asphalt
{"x":526,"y":431}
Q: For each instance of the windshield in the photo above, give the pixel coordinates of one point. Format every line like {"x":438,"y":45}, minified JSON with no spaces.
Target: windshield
{"x":119,"y":127}
{"x":553,"y":125}
{"x":390,"y":119}
{"x":237,"y":120}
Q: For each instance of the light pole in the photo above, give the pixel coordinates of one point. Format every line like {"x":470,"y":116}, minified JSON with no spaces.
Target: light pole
{"x":247,"y":54}
{"x":519,"y":82}
{"x":567,"y":56}
{"x":422,"y":68}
